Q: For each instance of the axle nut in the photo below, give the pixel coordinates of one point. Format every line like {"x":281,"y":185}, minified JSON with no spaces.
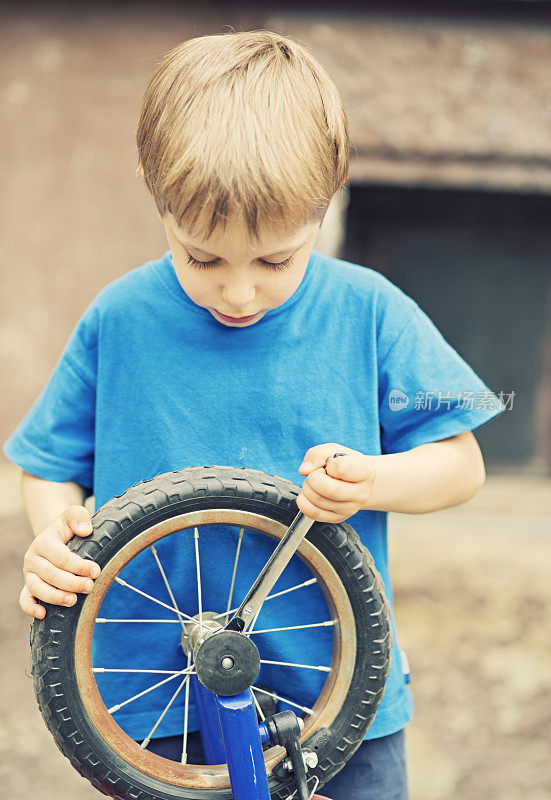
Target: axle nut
{"x":227,"y":662}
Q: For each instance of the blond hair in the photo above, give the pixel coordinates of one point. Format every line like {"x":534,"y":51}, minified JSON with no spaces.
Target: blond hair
{"x":244,"y":124}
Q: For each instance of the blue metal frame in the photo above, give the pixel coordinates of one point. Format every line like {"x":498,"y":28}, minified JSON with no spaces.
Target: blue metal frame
{"x":230,"y":733}
{"x":209,"y":723}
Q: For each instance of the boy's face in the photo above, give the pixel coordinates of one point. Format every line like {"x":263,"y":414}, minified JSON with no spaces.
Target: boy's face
{"x":236,"y":284}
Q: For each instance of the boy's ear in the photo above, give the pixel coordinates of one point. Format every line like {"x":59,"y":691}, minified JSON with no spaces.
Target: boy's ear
{"x":139,"y":171}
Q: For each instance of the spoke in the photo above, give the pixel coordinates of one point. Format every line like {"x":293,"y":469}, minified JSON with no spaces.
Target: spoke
{"x":253,"y":623}
{"x":240,"y":539}
{"x":276,"y":594}
{"x":270,"y":572}
{"x":146,"y":691}
{"x":172,"y":699}
{"x":297,"y":627}
{"x":292,"y":589}
{"x":283,"y":699}
{"x":198,"y":566}
{"x":258,"y":708}
{"x":165,"y":579}
{"x":103,"y":619}
{"x":302,"y":666}
{"x":146,"y":671}
{"x":153,"y":599}
{"x":183,"y":760}
{"x":311,"y":790}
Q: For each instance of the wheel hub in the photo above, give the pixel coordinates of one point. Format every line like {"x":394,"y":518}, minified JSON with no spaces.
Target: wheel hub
{"x":194,"y":630}
{"x":226,"y":662}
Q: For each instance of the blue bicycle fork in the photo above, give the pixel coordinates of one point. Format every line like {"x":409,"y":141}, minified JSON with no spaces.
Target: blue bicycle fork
{"x":227,"y":663}
{"x":230,"y":733}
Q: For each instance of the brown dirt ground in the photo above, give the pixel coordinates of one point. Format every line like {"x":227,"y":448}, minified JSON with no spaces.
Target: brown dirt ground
{"x":473,"y":606}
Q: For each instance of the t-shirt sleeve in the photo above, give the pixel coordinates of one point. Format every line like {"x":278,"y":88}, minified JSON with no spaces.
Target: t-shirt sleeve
{"x":55,"y":439}
{"x":427,"y":392}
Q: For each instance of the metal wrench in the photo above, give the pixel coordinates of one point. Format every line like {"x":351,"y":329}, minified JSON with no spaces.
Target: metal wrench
{"x":271,"y":571}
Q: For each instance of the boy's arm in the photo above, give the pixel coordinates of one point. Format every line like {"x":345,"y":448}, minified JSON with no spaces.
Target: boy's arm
{"x":45,"y":500}
{"x":53,"y":573}
{"x":427,"y":478}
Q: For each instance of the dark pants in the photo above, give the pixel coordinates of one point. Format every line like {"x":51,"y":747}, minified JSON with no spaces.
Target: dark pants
{"x":376,"y":771}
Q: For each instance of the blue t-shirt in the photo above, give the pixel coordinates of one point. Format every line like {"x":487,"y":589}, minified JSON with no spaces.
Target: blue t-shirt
{"x":150,"y":382}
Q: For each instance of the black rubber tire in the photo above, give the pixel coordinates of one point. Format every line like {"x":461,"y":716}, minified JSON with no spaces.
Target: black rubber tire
{"x":165,"y":496}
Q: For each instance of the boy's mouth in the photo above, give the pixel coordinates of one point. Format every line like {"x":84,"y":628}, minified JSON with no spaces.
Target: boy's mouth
{"x":226,"y":318}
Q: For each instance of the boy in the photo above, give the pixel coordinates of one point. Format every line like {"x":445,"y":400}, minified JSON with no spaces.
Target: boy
{"x":242,"y":345}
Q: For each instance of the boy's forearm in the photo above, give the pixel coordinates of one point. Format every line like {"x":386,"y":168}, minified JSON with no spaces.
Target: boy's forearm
{"x":429,"y":477}
{"x":45,"y":500}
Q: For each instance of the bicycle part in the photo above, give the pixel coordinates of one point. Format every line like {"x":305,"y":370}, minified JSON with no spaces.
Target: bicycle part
{"x":209,"y":723}
{"x":243,"y":746}
{"x":227,"y":662}
{"x":182,"y":502}
{"x":272,"y":570}
{"x":266,"y":705}
{"x":284,"y":730}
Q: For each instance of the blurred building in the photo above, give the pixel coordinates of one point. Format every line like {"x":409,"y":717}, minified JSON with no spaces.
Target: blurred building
{"x":449,"y":192}
{"x":450,"y":185}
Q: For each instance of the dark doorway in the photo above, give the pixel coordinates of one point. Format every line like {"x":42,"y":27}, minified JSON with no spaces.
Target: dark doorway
{"x":479,"y":264}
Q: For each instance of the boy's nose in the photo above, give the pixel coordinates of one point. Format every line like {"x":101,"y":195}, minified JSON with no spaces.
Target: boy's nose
{"x":238,"y":296}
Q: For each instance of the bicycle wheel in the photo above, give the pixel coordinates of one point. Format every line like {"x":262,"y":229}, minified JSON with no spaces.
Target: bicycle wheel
{"x":181,"y":503}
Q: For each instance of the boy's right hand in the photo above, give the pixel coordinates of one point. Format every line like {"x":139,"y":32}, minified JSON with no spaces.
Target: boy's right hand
{"x":54,"y":573}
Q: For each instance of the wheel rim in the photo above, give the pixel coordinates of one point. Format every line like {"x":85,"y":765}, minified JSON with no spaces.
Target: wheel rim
{"x":327,"y":704}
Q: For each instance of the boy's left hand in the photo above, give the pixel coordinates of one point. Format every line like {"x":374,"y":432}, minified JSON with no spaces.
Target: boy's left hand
{"x":335,"y":488}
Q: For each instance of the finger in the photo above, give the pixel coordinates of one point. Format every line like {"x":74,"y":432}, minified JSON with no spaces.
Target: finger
{"x":317,"y":456}
{"x":43,"y":591}
{"x":323,"y":501}
{"x":351,"y":468}
{"x":60,"y":578}
{"x":318,"y":514}
{"x":59,"y":554}
{"x":75,"y":520}
{"x":331,"y":488}
{"x":28,"y":604}
{"x":342,"y":478}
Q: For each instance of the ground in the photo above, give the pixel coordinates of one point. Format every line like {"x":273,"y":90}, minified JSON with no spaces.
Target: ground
{"x":473,"y":607}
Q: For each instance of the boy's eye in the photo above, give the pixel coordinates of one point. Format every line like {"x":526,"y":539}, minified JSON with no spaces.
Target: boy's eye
{"x":207,"y":264}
